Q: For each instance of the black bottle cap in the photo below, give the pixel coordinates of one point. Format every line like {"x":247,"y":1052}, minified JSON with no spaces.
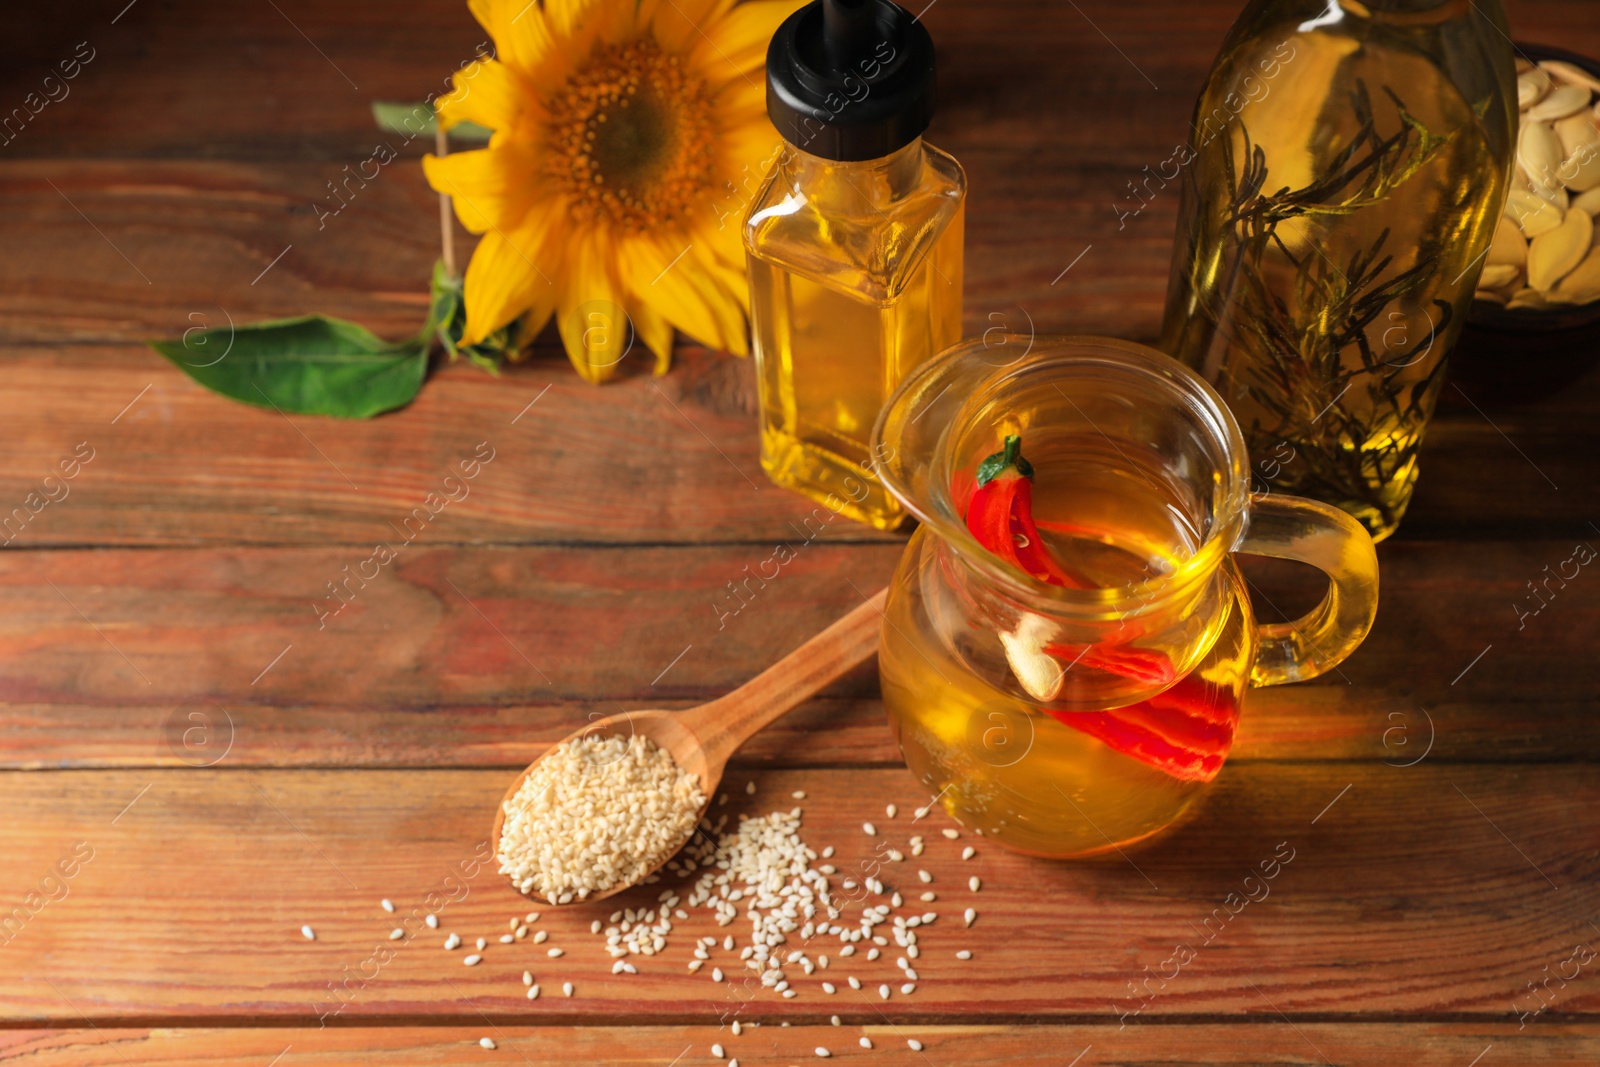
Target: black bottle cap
{"x":850,"y":79}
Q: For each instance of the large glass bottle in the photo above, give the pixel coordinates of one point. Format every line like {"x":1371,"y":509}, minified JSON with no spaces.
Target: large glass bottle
{"x":854,"y":246}
{"x":1347,"y":164}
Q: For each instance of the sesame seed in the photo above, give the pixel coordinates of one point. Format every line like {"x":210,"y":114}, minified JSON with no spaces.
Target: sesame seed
{"x":964,"y":954}
{"x":789,"y":994}
{"x":652,"y":804}
{"x":556,"y":952}
{"x":482,"y":944}
{"x":834,"y":1020}
{"x":506,"y":939}
{"x":924,"y":876}
{"x":930,"y":896}
{"x":533,"y":992}
{"x":486,"y":1042}
{"x":566,"y":988}
{"x":968,"y":852}
{"x":531,"y":917}
{"x":736,"y":1028}
{"x":971,"y":916}
{"x":396,"y":934}
{"x":453,"y":941}
{"x":308,"y":933}
{"x":472,"y":961}
{"x":974,"y":884}
{"x":869,"y":829}
{"x":538,"y":939}
{"x":799,"y":794}
{"x":824,"y":1053}
{"x":908,"y":989}
{"x":716,"y":1050}
{"x":914,"y":1044}
{"x":432,"y":921}
{"x":387,"y":904}
{"x":883,"y":991}
{"x":951,"y":834}
{"x":750,"y":788}
{"x":922,"y":813}
{"x":866,"y":1042}
{"x":873,"y":954}
{"x":890,"y":811}
{"x":716,"y":974}
{"x":855,"y":983}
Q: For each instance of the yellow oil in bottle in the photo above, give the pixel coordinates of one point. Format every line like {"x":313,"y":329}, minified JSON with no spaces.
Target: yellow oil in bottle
{"x":855,"y":279}
{"x":1347,"y":173}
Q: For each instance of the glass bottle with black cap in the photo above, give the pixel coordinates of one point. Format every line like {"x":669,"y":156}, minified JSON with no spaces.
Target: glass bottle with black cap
{"x":854,"y":244}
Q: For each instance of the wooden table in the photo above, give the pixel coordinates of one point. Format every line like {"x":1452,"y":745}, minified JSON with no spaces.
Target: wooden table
{"x":216,"y":769}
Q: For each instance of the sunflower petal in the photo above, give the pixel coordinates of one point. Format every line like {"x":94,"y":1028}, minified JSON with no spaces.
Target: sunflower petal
{"x":521,"y":37}
{"x":735,"y":46}
{"x":504,"y":280}
{"x":694,"y":301}
{"x":486,"y":92}
{"x":489,"y":187}
{"x":655,"y":332}
{"x":590,"y":314}
{"x":679,"y":24}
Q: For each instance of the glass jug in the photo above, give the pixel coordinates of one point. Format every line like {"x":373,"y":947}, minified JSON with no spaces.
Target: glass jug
{"x":1066,"y":721}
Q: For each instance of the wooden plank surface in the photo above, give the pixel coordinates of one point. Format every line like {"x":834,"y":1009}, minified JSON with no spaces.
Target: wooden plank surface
{"x":646,"y":460}
{"x":1433,"y":890}
{"x":1550,"y":1044}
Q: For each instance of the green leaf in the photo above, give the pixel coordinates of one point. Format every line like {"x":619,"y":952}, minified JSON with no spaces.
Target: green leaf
{"x":416,"y":119}
{"x":313,"y":365}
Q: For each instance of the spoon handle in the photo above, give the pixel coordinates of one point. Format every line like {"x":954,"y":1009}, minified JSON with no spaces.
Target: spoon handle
{"x":727,"y":722}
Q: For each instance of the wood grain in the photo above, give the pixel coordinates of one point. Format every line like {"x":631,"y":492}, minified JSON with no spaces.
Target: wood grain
{"x":645,"y":460}
{"x":514,"y":627}
{"x":1435,"y":890}
{"x":1550,"y":1044}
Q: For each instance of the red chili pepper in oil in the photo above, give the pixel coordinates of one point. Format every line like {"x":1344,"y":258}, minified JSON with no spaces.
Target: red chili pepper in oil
{"x":1185,"y":730}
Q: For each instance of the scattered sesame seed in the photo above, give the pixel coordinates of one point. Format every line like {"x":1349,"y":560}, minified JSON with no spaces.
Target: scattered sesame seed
{"x":951,"y":834}
{"x":482,"y":944}
{"x":883,"y":991}
{"x":533,"y":992}
{"x":974,"y":884}
{"x":506,"y":939}
{"x":453,"y":941}
{"x":538,"y":939}
{"x":308,"y":933}
{"x":594,"y":927}
{"x":924,"y":876}
{"x":716,"y":974}
{"x":736,"y":1028}
{"x":486,"y":1042}
{"x":869,"y":829}
{"x":873,"y":953}
{"x":750,"y":788}
{"x":930,"y":896}
{"x":968,"y":852}
{"x":824,"y":1053}
{"x":828,"y":987}
{"x":556,"y":952}
{"x":531,"y":917}
{"x":866,"y":1042}
{"x":834,"y":1020}
{"x":527,"y":977}
{"x":964,"y":954}
{"x":890,"y":811}
{"x":799,"y":794}
{"x":855,"y":983}
{"x":396,"y":934}
{"x":566,"y":988}
{"x":388,"y":905}
{"x":971,"y":916}
{"x":432,"y":921}
{"x":914,"y":1044}
{"x":472,"y":961}
{"x":789,"y":994}
{"x":908,"y":989}
{"x":716,"y":1050}
{"x":922,"y":813}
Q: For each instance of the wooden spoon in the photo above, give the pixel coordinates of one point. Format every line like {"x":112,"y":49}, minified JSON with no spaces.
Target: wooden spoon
{"x":701,"y":739}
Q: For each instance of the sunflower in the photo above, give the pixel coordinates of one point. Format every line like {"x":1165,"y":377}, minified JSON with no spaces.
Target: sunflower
{"x":625,"y":132}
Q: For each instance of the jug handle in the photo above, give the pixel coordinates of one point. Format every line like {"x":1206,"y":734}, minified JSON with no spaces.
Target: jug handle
{"x":1289,"y":527}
